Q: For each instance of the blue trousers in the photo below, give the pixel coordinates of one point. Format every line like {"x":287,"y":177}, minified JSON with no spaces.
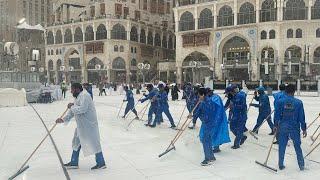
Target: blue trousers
{"x":261,"y":118}
{"x":75,"y":158}
{"x":152,"y":110}
{"x":237,"y":128}
{"x":166,"y":111}
{"x":130,"y":107}
{"x":283,"y":141}
{"x":207,"y":145}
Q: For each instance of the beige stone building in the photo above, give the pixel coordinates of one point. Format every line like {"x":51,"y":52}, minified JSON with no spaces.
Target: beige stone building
{"x":247,"y":39}
{"x":11,"y":11}
{"x":94,"y":40}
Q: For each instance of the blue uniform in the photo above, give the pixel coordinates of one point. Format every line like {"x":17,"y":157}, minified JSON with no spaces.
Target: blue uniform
{"x":221,"y":130}
{"x":264,"y":111}
{"x":163,"y":107}
{"x":290,"y":118}
{"x":154,"y":104}
{"x":229,"y":105}
{"x":206,"y":111}
{"x":130,"y":104}
{"x":239,"y":117}
{"x":277,"y":96}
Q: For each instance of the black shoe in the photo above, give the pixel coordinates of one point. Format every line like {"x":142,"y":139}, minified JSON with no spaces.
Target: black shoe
{"x":272,"y":133}
{"x":192,"y":127}
{"x":123,"y":117}
{"x":235,"y":147}
{"x":301,"y":168}
{"x":216,"y":150}
{"x":276,"y":142}
{"x":282,"y":167}
{"x":147,"y":125}
{"x":102,"y":166}
{"x":244,"y":138}
{"x":152,"y":126}
{"x":206,"y":162}
{"x":71,"y":166}
{"x":173,"y":126}
{"x":136,"y":118}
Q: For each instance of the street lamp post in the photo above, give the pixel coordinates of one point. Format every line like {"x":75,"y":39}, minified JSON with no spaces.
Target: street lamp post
{"x":143,"y":67}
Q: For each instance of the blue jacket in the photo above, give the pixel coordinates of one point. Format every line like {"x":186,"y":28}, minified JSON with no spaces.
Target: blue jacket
{"x":220,"y":130}
{"x":289,"y":115}
{"x":239,"y":106}
{"x":162,"y":98}
{"x":150,"y":96}
{"x":206,"y":111}
{"x":277,"y":96}
{"x":129,"y":97}
{"x":264,"y":104}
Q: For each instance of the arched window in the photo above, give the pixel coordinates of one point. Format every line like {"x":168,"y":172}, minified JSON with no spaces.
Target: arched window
{"x":150,"y":38}
{"x":121,"y":49}
{"x":289,"y":33}
{"x":51,"y":51}
{"x":246,"y":14}
{"x":58,"y":37}
{"x":57,"y":51}
{"x":186,"y":22}
{"x":157,"y":40}
{"x":318,"y":33}
{"x":316,"y":55}
{"x":143,"y":36}
{"x":93,"y":62}
{"x":133,"y":62}
{"x":68,"y":36}
{"x":164,"y":41}
{"x":206,"y":19}
{"x":315,"y":10}
{"x":101,"y":32}
{"x":50,"y":65}
{"x":89,"y":35}
{"x":268,"y":11}
{"x":118,"y":32}
{"x":78,"y":35}
{"x":48,"y":52}
{"x":293,"y":54}
{"x":263,"y":35}
{"x":119,"y":64}
{"x":295,"y":10}
{"x":59,"y":63}
{"x":134,"y":34}
{"x":170,"y":42}
{"x":298,"y":33}
{"x":272,"y":34}
{"x":225,"y":17}
{"x":115,"y":48}
{"x":267,"y":55}
{"x":50,"y":38}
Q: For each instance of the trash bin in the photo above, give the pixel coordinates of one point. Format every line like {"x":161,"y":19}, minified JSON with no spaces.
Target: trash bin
{"x":269,"y":91}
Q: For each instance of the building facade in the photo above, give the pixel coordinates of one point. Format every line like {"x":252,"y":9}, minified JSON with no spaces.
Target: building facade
{"x":12,"y":11}
{"x":106,"y":40}
{"x":247,"y":39}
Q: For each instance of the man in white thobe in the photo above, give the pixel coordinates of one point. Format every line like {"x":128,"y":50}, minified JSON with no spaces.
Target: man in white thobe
{"x":86,"y":135}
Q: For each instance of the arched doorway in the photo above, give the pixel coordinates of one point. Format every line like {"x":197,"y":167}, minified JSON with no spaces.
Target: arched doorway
{"x":72,"y":64}
{"x":196,"y":66}
{"x":51,"y":71}
{"x":235,"y":59}
{"x":96,"y":71}
{"x":60,"y":72}
{"x":267,"y":67}
{"x":118,"y":70}
{"x":292,"y":67}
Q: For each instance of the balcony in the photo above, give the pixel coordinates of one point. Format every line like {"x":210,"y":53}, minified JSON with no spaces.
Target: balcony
{"x":190,"y":2}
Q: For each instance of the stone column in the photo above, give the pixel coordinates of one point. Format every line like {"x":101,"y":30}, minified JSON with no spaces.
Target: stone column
{"x":196,"y":18}
{"x":235,"y":11}
{"x":309,"y":9}
{"x":179,"y":75}
{"x":215,"y":19}
{"x":257,"y":11}
{"x":279,"y":10}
